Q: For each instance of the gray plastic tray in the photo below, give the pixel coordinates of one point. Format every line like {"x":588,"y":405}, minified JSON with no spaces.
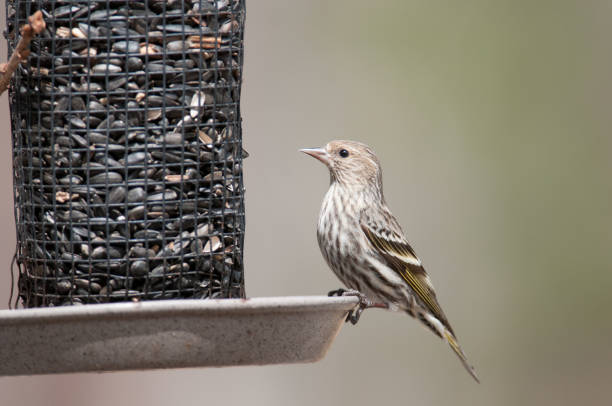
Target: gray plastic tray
{"x":170,"y":334}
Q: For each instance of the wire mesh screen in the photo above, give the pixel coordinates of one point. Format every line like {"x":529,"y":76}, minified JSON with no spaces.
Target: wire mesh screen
{"x":127,"y":151}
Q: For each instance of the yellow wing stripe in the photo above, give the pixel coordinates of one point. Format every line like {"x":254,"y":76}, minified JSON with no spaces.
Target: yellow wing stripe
{"x":453,"y":343}
{"x":416,"y":284}
{"x":418,"y":287}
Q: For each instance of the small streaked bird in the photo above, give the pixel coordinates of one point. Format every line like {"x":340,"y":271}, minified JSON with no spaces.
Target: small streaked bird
{"x":365,"y":246}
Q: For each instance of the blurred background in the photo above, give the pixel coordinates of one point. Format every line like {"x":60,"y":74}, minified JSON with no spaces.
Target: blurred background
{"x":492,"y":120}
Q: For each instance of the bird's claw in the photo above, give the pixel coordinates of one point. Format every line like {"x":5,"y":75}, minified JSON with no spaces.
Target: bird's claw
{"x":337,"y":292}
{"x":354,"y":315}
{"x":364,"y":303}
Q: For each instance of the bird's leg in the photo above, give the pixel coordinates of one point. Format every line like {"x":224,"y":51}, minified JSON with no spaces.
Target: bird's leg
{"x":364,"y":303}
{"x":337,"y":292}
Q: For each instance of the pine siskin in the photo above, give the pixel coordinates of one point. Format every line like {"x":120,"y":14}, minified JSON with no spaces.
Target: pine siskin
{"x":365,"y":246}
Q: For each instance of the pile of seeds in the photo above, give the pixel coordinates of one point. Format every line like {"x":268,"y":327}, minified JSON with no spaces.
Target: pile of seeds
{"x":127,"y":151}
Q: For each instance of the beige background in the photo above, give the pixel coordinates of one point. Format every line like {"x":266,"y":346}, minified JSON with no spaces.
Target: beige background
{"x":492,"y":120}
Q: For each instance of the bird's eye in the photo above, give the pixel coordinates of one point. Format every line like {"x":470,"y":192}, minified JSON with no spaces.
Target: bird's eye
{"x":343,"y":153}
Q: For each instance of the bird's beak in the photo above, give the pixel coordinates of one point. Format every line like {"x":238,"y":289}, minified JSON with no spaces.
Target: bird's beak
{"x":318,"y":153}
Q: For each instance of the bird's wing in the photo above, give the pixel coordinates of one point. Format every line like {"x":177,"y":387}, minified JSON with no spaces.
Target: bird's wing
{"x":390,"y":242}
{"x":399,"y":255}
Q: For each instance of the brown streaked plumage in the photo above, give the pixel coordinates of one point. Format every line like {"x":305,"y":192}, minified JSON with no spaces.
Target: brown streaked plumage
{"x":363,"y":243}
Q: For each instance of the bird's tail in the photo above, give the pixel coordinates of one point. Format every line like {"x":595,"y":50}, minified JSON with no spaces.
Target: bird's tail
{"x":452,"y":341}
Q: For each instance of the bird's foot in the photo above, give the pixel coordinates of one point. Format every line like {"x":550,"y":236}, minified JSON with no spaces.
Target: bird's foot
{"x":364,"y":303}
{"x":337,"y":292}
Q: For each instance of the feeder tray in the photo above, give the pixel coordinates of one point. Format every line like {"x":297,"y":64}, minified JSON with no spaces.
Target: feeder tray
{"x":170,"y":334}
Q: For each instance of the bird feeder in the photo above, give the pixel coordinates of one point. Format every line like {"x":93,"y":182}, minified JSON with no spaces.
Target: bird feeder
{"x":127,"y":158}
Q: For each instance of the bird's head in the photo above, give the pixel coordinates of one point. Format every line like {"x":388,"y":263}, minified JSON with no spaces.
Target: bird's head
{"x":351,"y":164}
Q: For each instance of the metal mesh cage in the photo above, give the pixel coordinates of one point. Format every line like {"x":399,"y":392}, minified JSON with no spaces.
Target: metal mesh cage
{"x":127,"y":151}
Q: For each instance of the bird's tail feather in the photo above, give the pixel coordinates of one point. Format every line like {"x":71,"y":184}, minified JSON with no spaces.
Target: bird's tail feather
{"x":452,"y":341}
